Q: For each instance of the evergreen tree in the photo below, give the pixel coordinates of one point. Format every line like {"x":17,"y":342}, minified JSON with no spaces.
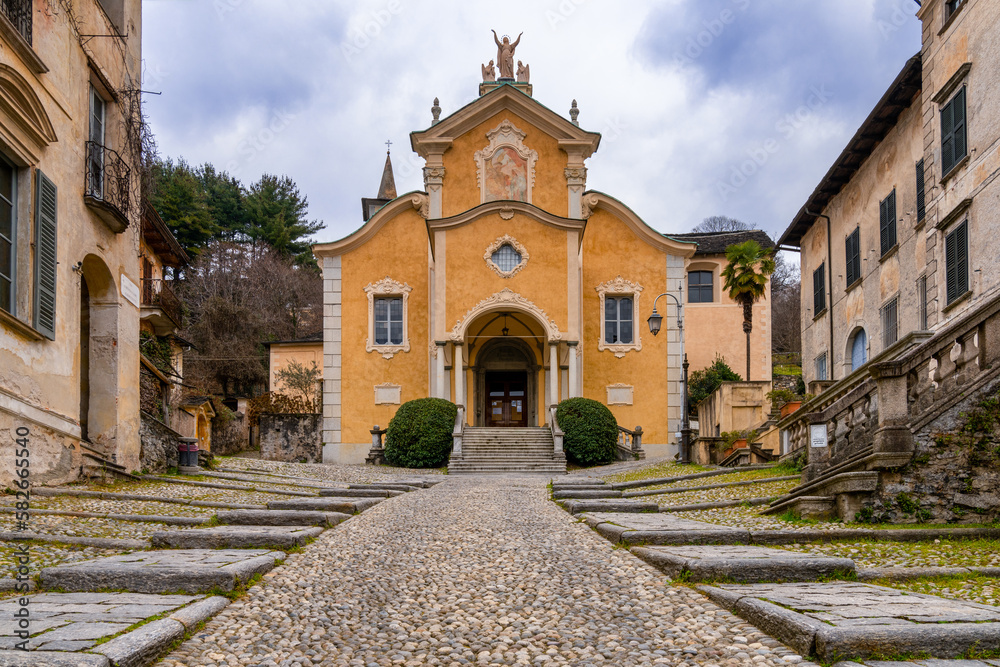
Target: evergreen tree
{"x":277,"y":215}
{"x":179,"y":198}
{"x":226,"y":203}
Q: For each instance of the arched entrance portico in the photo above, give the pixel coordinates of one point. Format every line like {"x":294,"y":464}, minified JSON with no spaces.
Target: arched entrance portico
{"x":505,"y":388}
{"x":98,"y":355}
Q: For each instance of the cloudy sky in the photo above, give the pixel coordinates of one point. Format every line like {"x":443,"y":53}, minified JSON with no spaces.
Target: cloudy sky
{"x":707,"y":107}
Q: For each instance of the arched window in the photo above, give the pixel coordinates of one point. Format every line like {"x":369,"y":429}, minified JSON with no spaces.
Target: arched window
{"x":859,"y":350}
{"x":506,"y":258}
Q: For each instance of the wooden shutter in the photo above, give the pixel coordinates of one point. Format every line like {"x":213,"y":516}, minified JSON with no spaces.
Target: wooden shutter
{"x":853,"y":259}
{"x":953,"y":137}
{"x":958,"y":115}
{"x":956,"y":259}
{"x":887,"y":223}
{"x":819,"y":290}
{"x":45,"y":256}
{"x":921,"y":197}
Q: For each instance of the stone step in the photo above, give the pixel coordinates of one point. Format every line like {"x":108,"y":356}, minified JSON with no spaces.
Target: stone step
{"x":280,"y":518}
{"x":235,"y":537}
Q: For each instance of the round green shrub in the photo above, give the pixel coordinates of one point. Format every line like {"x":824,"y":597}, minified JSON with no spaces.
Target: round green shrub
{"x":419,"y":434}
{"x":591,"y":432}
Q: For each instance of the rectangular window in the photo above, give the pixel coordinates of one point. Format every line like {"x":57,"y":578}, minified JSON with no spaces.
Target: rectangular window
{"x":956,"y":260}
{"x":887,"y":222}
{"x":890,"y":322}
{"x":951,"y":6}
{"x":819,"y":290}
{"x":700,"y":287}
{"x":853,"y":259}
{"x":389,"y":321}
{"x":953,"y":132}
{"x":821,"y":367}
{"x":921,"y":198}
{"x":922,"y":303}
{"x":618,"y":320}
{"x":8,"y":234}
{"x":95,"y":152}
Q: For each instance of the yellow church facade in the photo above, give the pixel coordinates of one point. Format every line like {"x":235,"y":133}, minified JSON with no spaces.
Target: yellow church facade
{"x":506,"y":286}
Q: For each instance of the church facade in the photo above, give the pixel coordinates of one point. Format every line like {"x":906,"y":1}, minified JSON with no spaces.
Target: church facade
{"x":506,"y":286}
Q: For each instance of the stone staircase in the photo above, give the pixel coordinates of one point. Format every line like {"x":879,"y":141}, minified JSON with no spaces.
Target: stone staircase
{"x":505,"y":450}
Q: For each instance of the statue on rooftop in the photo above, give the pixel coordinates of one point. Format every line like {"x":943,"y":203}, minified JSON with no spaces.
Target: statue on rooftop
{"x":523,"y":73}
{"x":489,"y":72}
{"x":505,"y":55}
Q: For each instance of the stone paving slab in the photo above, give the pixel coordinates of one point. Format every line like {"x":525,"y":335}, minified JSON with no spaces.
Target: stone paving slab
{"x":661,"y":529}
{"x":746,"y":564}
{"x":340,"y":504}
{"x":59,"y":635}
{"x":568,"y":483}
{"x":280,"y":518}
{"x":847,"y":620}
{"x":359,"y":493}
{"x":390,"y":486}
{"x":236,"y":537}
{"x":193,"y":571}
{"x":612,"y":505}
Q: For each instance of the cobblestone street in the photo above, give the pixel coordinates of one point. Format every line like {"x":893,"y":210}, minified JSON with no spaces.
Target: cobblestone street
{"x":480,"y":570}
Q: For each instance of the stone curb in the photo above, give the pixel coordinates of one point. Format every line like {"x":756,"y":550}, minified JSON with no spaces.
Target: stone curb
{"x":103,"y":495}
{"x":632,"y":506}
{"x":744,"y":570}
{"x":202,"y":610}
{"x":144,"y":518}
{"x":98,"y":542}
{"x":667,"y":538}
{"x":387,"y":487}
{"x":8,"y":584}
{"x":718,"y":505}
{"x":941,"y":640}
{"x":909,"y":573}
{"x":359,"y":493}
{"x":783,"y":624}
{"x":235,"y":537}
{"x":708,"y":487}
{"x":143,"y":645}
{"x":765,"y":537}
{"x":10,"y":658}
{"x":280,"y":518}
{"x":343,"y":505}
{"x":229,"y":487}
{"x":243,"y":478}
{"x":584,"y":494}
{"x":698,"y":475}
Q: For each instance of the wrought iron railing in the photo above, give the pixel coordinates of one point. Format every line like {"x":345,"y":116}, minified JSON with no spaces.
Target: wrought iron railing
{"x":156,"y":292}
{"x":108,"y":178}
{"x":18,"y":12}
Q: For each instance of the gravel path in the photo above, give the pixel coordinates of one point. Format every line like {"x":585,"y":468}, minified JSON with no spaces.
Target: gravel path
{"x":473,"y":571}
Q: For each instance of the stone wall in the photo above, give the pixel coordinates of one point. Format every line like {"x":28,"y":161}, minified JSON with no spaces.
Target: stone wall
{"x":158,"y":444}
{"x":948,"y":479}
{"x":294,"y":438}
{"x":230,"y":436}
{"x":53,"y":460}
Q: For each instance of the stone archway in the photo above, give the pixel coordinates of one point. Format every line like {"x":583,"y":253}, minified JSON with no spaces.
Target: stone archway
{"x":98,"y":354}
{"x":505,"y":362}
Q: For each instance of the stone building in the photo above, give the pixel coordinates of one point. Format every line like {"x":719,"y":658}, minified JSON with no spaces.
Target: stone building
{"x":900,"y":235}
{"x":506,"y":286}
{"x":69,"y":233}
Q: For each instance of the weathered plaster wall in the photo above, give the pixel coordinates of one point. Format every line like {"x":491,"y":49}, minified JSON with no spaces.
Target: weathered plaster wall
{"x":283,"y":354}
{"x":293,"y":438}
{"x":43,"y":375}
{"x":892,"y":164}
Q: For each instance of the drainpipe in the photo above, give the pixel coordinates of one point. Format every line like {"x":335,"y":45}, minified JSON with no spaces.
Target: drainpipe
{"x":829,"y":284}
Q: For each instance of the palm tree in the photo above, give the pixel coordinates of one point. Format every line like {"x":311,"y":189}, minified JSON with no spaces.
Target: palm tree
{"x":746,"y":280}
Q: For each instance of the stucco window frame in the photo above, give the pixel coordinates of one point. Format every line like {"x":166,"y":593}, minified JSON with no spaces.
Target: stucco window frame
{"x":501,"y":241}
{"x":715,"y":270}
{"x":388,"y":288}
{"x":949,"y":18}
{"x":620,"y":287}
{"x":508,"y":135}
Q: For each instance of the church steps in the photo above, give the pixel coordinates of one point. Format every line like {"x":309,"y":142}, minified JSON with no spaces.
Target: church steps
{"x":507,"y":450}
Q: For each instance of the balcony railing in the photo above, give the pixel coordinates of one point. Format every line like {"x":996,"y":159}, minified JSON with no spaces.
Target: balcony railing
{"x":18,"y":12}
{"x":107,"y":185}
{"x":156,"y":293}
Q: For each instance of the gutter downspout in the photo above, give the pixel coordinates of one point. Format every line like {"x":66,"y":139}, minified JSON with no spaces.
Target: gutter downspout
{"x":829,"y":284}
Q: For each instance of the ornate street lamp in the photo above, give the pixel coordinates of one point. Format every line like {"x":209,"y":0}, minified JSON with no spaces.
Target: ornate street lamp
{"x":655,"y":322}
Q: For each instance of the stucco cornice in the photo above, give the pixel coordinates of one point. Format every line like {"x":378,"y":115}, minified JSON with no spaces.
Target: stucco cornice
{"x":20,"y":104}
{"x":406,"y":202}
{"x":593,"y":200}
{"x":440,"y":136}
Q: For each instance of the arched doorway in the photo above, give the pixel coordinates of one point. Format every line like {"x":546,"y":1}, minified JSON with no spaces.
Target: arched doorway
{"x":859,"y":349}
{"x":506,"y":384}
{"x":98,"y":356}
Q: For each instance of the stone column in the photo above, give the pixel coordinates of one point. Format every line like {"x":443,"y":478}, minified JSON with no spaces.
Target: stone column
{"x":576,"y":183}
{"x":574,"y":371}
{"x":457,"y":368}
{"x":439,"y":376}
{"x":553,"y":372}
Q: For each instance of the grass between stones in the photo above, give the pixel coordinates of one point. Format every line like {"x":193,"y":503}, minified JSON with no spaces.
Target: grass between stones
{"x":936,"y":553}
{"x":666,"y":469}
{"x":970,"y":587}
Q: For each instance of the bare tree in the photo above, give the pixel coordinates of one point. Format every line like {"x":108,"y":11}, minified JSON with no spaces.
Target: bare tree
{"x":239,"y":296}
{"x":722,"y":223}
{"x":786,"y":288}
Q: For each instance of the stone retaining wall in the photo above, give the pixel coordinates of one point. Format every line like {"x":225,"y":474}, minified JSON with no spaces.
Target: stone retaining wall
{"x":158,"y":444}
{"x":292,"y":438}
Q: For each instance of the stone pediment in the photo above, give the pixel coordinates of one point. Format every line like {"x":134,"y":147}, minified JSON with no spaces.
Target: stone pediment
{"x":439,"y":137}
{"x":21,"y":110}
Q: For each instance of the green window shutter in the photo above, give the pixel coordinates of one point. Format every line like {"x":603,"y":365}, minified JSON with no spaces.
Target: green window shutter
{"x":953,"y":132}
{"x":956,"y":260}
{"x":959,"y":123}
{"x":921,"y":197}
{"x":45,"y":256}
{"x":819,"y":289}
{"x":887,"y":223}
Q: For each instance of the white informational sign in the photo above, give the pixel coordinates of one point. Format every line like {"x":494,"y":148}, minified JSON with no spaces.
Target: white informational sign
{"x":130,"y":291}
{"x":817,"y":435}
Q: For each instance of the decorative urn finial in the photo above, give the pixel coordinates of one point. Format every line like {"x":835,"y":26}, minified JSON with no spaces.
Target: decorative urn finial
{"x":436,"y":112}
{"x":574,"y":113}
